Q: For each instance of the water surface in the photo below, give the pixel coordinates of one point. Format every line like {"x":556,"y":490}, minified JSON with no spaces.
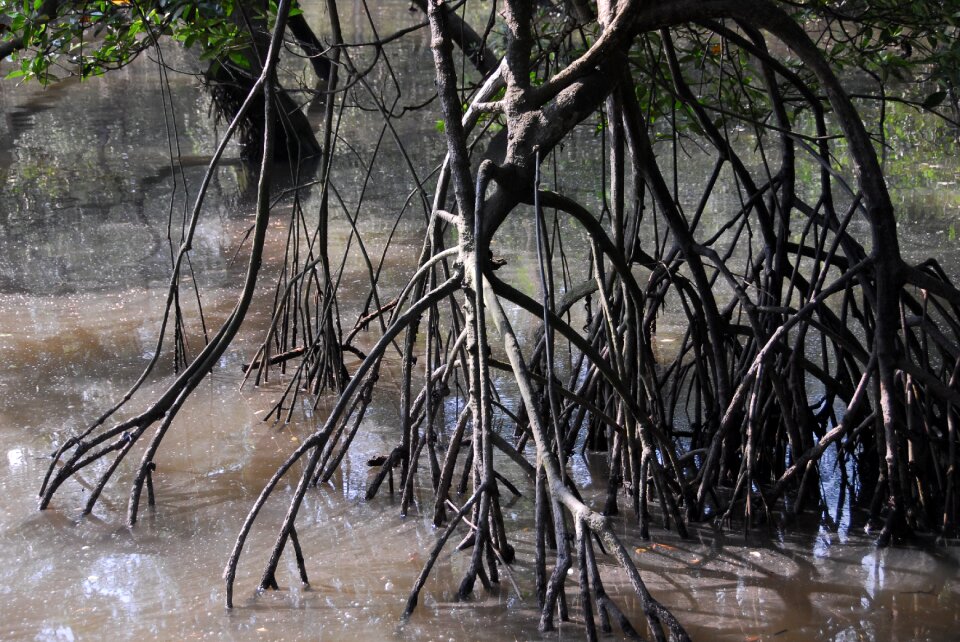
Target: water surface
{"x":86,"y":193}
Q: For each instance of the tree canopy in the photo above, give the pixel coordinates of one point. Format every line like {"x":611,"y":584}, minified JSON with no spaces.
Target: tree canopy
{"x":805,"y":332}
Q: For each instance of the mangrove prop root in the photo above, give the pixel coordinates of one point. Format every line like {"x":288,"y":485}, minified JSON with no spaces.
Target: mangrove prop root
{"x":799,"y":338}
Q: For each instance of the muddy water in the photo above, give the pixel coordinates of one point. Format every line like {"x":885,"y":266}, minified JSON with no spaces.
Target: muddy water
{"x":85,"y":193}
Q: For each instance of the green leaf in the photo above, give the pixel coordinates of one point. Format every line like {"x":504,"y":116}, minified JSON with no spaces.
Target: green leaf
{"x":239,"y":59}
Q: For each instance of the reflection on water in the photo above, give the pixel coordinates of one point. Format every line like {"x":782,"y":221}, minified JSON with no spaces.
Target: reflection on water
{"x":84,"y":203}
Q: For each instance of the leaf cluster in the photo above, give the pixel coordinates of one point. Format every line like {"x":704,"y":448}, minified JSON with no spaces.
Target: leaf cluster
{"x":898,"y":41}
{"x":52,"y":38}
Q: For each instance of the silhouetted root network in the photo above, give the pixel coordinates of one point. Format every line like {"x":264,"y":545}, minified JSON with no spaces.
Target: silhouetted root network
{"x":804,"y":337}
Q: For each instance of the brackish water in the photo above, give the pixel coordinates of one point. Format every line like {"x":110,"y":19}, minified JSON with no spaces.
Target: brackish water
{"x":86,"y":186}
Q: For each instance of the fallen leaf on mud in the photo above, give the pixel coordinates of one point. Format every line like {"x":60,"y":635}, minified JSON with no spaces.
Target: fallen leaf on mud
{"x":642,"y":550}
{"x":665,"y":547}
